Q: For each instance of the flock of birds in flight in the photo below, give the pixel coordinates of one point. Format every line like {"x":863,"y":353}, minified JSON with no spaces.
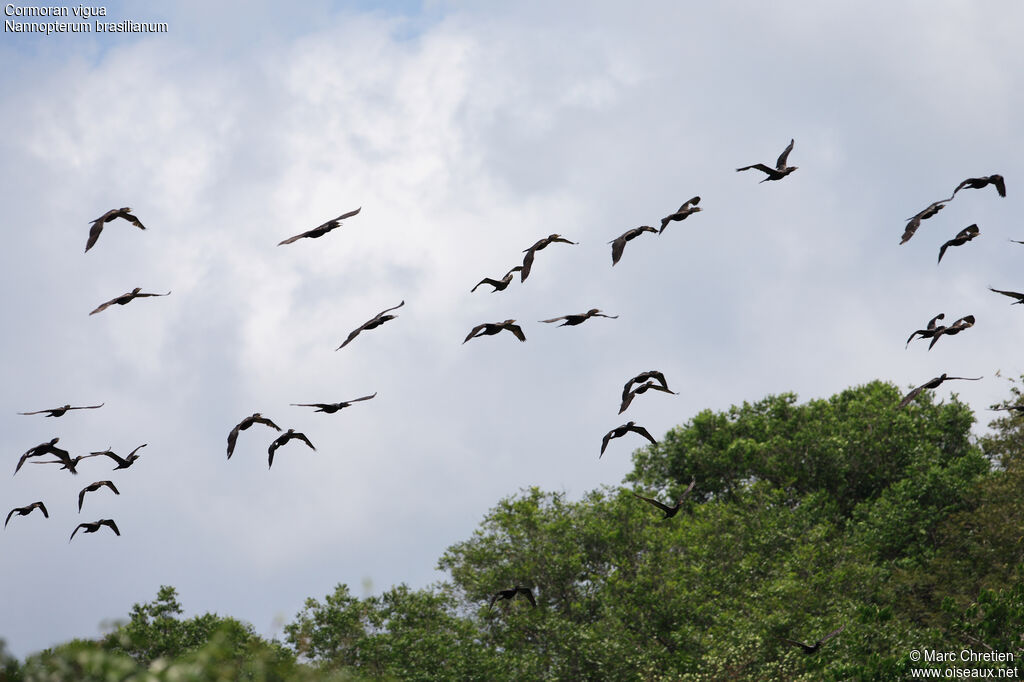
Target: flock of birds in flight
{"x":933,"y":330}
{"x":650,"y":380}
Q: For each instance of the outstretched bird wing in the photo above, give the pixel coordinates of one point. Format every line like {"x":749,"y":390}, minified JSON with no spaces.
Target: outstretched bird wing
{"x":1011,"y":294}
{"x":487,"y":280}
{"x":388,"y":310}
{"x":524,"y":272}
{"x":663,"y":507}
{"x":643,"y":432}
{"x":232,"y":439}
{"x":781,"y":163}
{"x":474,"y":331}
{"x":618,"y":246}
{"x":103,"y":306}
{"x":79,"y":526}
{"x":353,"y":334}
{"x":528,"y":593}
{"x":758,"y":166}
{"x":94,"y":231}
{"x":831,"y":635}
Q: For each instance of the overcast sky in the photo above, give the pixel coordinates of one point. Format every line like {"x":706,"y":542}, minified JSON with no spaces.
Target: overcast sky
{"x":466,"y":132}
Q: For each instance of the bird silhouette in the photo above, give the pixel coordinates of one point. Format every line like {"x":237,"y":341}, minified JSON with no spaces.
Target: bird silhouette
{"x":60,"y":411}
{"x":66,"y":461}
{"x":255,"y":418}
{"x":628,"y":396}
{"x":41,"y":450}
{"x":1011,"y":294}
{"x":962,"y":237}
{"x":978,"y":183}
{"x":813,"y":648}
{"x":965,"y":322}
{"x":573,"y":320}
{"x":321,"y":230}
{"x":331,"y":408}
{"x":931,"y":383}
{"x":687,"y":209}
{"x":619,"y":243}
{"x":498,"y":284}
{"x":511,"y":594}
{"x":125,"y":298}
{"x":25,"y":511}
{"x":530,"y":252}
{"x":914,"y":221}
{"x":112,"y":214}
{"x":620,"y":431}
{"x":377,"y":320}
{"x":94,"y":526}
{"x":642,"y":377}
{"x":670,"y":511}
{"x":122,"y":462}
{"x":930,"y":331}
{"x":780,"y":171}
{"x":492,"y":328}
{"x":92,"y":487}
{"x":290,"y":434}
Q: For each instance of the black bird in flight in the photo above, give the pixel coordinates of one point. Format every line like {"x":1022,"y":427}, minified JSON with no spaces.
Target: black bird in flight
{"x":620,"y":431}
{"x":530,"y":252}
{"x":25,"y":511}
{"x":498,"y":284}
{"x":628,"y":396}
{"x":688,"y":208}
{"x":931,"y":383}
{"x":112,"y":214}
{"x":573,"y":320}
{"x":331,"y":408}
{"x":122,"y":463}
{"x":511,"y":593}
{"x":930,"y":331}
{"x":619,"y":243}
{"x":94,"y":526}
{"x":670,"y":511}
{"x":1011,"y":294}
{"x":813,"y":648}
{"x":92,"y":487}
{"x":492,"y":328}
{"x":978,"y":183}
{"x":40,"y":450}
{"x":378,"y":319}
{"x":642,"y":377}
{"x":780,"y":171}
{"x":965,"y":322}
{"x":914,"y":222}
{"x":66,"y":461}
{"x":59,"y":411}
{"x":323,"y":229}
{"x":255,"y":418}
{"x":962,"y":237}
{"x":125,"y":298}
{"x":288,"y":435}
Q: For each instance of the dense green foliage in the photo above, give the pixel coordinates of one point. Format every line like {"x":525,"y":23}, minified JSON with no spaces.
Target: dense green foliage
{"x":896,"y":524}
